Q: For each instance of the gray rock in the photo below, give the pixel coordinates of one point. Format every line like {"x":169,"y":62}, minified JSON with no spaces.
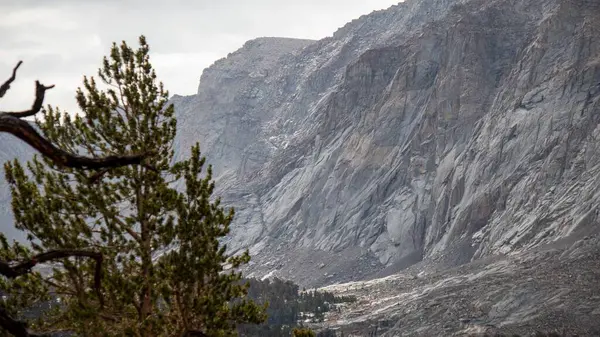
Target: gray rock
{"x":542,"y":289}
{"x":439,"y":130}
{"x":433,"y":134}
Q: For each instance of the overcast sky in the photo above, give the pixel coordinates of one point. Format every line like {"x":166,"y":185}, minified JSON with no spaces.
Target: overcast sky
{"x":62,"y":40}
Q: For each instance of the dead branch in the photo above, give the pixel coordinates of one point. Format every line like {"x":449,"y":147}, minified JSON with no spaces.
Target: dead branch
{"x":40,"y":93}
{"x":19,"y":329}
{"x":11,"y":122}
{"x":6,"y":85}
{"x":24,"y":131}
{"x":26,"y":266}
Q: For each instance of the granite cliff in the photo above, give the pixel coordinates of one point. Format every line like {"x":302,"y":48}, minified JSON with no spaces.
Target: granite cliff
{"x":457,"y":141}
{"x":436,"y":130}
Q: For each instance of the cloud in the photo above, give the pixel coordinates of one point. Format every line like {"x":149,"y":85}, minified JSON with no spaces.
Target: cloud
{"x":62,"y":40}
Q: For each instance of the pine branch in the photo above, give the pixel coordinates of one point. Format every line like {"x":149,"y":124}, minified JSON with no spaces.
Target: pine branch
{"x":11,"y":122}
{"x":25,"y":267}
{"x":94,"y":178}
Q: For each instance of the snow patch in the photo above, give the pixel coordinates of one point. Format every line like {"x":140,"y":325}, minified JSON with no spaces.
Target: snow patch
{"x":269,"y":275}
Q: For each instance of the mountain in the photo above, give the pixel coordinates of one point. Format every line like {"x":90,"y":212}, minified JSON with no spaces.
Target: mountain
{"x":436,"y":130}
{"x":446,"y":150}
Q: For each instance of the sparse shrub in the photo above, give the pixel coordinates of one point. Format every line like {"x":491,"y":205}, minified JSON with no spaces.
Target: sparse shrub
{"x":303,"y":333}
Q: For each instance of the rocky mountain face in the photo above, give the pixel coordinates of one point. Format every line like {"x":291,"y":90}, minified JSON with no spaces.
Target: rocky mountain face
{"x":457,"y":141}
{"x":11,"y":148}
{"x":436,"y":132}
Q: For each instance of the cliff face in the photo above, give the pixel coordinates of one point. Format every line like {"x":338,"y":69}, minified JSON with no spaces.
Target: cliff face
{"x":433,"y":134}
{"x":441,"y":131}
{"x":435,"y":130}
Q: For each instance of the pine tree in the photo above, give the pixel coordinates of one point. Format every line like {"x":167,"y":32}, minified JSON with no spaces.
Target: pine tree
{"x":163,"y":270}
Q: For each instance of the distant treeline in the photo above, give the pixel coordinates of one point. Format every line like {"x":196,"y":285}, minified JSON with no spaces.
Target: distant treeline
{"x":288,"y":306}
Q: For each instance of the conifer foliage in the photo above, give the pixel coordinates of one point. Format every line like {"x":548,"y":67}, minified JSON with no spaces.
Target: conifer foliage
{"x":163,"y":270}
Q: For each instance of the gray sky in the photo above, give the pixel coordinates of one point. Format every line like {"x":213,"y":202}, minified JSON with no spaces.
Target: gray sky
{"x":62,"y":40}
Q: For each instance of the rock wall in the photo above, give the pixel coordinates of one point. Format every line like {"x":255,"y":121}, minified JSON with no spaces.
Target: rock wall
{"x":437,"y":130}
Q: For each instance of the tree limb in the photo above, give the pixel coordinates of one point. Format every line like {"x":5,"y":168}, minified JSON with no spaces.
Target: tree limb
{"x":94,"y":178}
{"x":25,"y":267}
{"x":6,"y":85}
{"x":40,"y":92}
{"x":24,"y":131}
{"x":11,"y":122}
{"x":19,"y":329}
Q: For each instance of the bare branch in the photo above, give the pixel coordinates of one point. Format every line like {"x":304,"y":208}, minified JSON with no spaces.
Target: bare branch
{"x":40,"y":92}
{"x":25,"y":267}
{"x":94,"y":178}
{"x":6,"y":85}
{"x":10,"y":122}
{"x":19,"y":329}
{"x":24,"y":131}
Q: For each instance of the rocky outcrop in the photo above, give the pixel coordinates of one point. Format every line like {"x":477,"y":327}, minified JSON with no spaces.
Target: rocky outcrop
{"x":237,"y":97}
{"x":436,"y":130}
